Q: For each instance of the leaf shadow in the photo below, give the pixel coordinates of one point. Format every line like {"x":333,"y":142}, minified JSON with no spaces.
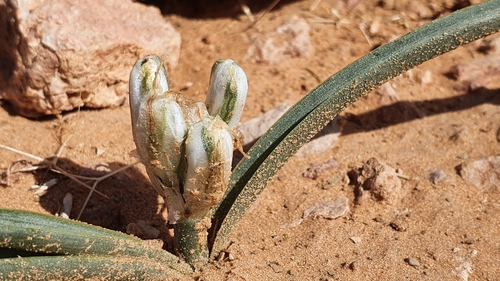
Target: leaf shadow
{"x":404,"y":111}
{"x":129,"y":197}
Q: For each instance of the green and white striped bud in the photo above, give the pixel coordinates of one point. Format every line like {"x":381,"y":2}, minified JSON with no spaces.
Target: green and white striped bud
{"x":159,"y":130}
{"x":227,"y":91}
{"x":158,"y":123}
{"x":148,"y":77}
{"x":186,"y":146}
{"x":209,"y":153}
{"x":165,"y":133}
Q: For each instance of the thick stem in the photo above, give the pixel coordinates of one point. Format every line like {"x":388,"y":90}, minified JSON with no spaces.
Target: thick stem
{"x":190,"y":240}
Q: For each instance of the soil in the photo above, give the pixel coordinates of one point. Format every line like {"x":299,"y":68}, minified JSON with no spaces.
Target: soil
{"x":439,"y":230}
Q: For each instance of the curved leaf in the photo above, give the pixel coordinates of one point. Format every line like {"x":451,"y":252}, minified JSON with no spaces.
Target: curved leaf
{"x":322,"y":104}
{"x":84,"y":268}
{"x":39,"y":233}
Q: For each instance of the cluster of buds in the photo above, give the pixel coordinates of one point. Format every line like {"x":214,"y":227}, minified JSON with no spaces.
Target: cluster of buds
{"x":187,"y":146}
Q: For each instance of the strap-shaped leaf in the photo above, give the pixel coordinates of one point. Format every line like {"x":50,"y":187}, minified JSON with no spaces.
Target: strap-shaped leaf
{"x":41,"y":233}
{"x":322,"y":104}
{"x":85,"y":268}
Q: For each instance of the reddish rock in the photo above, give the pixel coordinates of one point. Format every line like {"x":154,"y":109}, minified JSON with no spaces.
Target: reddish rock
{"x":328,"y":210}
{"x":484,"y":173}
{"x":378,"y":180}
{"x":60,"y":55}
{"x":291,"y":40}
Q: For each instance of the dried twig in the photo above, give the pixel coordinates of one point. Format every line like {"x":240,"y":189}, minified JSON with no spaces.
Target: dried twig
{"x":246,"y":10}
{"x":262,"y":13}
{"x":52,"y":166}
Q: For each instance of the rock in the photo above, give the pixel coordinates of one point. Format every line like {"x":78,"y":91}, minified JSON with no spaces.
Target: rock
{"x":387,"y":94}
{"x":290,"y":40}
{"x":436,"y":176}
{"x":413,"y":262}
{"x":257,"y":126}
{"x":315,"y":171}
{"x":420,"y":9}
{"x":61,"y":55}
{"x":479,"y":73}
{"x":338,"y":178}
{"x":491,"y":45}
{"x":328,"y":210}
{"x":254,"y":128}
{"x":463,"y":270}
{"x":399,"y":224}
{"x":483,"y":173}
{"x":276,"y":267}
{"x":355,"y":239}
{"x":425,"y":78}
{"x":377,"y":179}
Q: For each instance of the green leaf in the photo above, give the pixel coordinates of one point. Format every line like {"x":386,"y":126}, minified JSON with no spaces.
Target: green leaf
{"x":39,"y":233}
{"x":320,"y":106}
{"x":84,"y":267}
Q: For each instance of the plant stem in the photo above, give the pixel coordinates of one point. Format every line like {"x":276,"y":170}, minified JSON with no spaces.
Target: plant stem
{"x":190,"y":240}
{"x":320,"y":106}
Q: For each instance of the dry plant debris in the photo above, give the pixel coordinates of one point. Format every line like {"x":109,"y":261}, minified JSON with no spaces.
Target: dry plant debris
{"x":50,"y":163}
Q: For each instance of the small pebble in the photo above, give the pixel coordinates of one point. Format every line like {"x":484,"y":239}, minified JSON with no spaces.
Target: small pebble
{"x":328,"y":210}
{"x":353,"y":266}
{"x":398,"y":225}
{"x":332,"y":274}
{"x":355,"y":239}
{"x":67,"y":205}
{"x":482,"y":173}
{"x":436,"y":176}
{"x":413,"y":262}
{"x":276,"y":267}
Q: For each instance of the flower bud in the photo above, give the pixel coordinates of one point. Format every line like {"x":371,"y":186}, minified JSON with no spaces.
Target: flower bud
{"x":159,"y":130}
{"x":227,"y":91}
{"x":164,"y":137}
{"x":209,"y":153}
{"x":148,"y":77}
{"x":157,"y":120}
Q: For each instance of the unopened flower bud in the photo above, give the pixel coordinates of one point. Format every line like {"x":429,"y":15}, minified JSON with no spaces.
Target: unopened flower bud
{"x":159,"y":130}
{"x":227,"y":91}
{"x":164,"y":137}
{"x":209,"y":153}
{"x":148,"y":77}
{"x":158,"y":122}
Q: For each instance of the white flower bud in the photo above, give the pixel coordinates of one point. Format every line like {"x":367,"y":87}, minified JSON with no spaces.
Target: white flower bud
{"x":227,"y":91}
{"x":209,"y":153}
{"x":164,"y":134}
{"x":158,"y":122}
{"x":148,"y":77}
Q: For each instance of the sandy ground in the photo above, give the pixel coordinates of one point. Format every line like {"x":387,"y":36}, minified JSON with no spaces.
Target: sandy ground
{"x":448,"y":230}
